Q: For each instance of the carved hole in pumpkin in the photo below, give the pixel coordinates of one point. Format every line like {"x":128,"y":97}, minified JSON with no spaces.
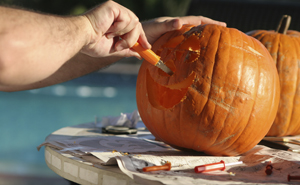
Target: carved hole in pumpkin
{"x":192,"y":43}
{"x":191,"y":57}
{"x":167,"y":96}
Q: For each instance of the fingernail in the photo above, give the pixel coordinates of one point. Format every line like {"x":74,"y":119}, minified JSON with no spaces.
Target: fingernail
{"x":109,"y":36}
{"x":147,"y":46}
{"x":176,"y":24}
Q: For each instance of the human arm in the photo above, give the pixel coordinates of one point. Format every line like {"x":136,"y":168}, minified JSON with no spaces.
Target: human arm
{"x":79,"y":65}
{"x":34,"y":46}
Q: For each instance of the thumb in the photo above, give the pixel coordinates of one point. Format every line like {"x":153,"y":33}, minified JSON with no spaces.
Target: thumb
{"x":159,"y":28}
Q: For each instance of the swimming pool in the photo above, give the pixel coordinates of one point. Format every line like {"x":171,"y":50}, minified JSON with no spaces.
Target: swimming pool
{"x":27,"y":117}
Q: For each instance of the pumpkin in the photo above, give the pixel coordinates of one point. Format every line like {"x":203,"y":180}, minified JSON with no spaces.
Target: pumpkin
{"x":222,"y":98}
{"x":284,"y":47}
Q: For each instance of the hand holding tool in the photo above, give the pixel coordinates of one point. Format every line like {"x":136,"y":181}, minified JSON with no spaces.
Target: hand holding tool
{"x":151,"y":57}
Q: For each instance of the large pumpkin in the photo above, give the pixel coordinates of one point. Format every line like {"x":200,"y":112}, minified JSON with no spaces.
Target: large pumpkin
{"x":284,"y":47}
{"x":222,"y":97}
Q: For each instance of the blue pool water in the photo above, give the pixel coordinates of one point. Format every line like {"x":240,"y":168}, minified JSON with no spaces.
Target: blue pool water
{"x":27,"y":117}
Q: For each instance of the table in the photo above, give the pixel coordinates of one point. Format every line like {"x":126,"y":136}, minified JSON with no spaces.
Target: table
{"x":88,"y":171}
{"x":76,"y":169}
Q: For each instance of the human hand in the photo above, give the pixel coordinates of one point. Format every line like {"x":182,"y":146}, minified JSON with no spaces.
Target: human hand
{"x":114,"y":29}
{"x":157,"y":27}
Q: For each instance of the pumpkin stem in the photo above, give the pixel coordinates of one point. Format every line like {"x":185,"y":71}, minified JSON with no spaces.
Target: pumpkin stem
{"x":284,"y":24}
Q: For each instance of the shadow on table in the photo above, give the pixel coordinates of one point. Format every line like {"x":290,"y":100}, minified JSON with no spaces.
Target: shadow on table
{"x":13,"y":179}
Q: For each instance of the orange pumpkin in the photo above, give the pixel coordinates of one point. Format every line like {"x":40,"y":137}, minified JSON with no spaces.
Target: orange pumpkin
{"x":222,"y":98}
{"x":284,"y":47}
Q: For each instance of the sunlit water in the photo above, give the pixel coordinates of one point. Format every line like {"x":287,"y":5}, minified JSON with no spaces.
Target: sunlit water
{"x":27,"y":117}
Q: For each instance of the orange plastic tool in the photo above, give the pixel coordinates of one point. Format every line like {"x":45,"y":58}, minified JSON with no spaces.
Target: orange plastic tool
{"x":166,"y":167}
{"x":151,"y":57}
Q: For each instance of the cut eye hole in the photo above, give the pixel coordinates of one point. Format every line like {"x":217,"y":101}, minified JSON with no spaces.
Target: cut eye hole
{"x":167,"y":96}
{"x":192,"y":56}
{"x":192,"y":43}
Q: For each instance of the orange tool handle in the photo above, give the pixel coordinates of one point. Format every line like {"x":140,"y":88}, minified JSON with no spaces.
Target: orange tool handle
{"x":166,"y":166}
{"x":146,"y":54}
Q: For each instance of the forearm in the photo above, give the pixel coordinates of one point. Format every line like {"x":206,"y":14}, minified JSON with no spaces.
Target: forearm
{"x":77,"y":66}
{"x":29,"y":49}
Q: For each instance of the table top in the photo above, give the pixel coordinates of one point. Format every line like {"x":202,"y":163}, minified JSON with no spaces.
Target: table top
{"x":77,"y":169}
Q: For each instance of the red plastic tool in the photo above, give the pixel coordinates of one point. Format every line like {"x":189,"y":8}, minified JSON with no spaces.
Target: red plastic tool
{"x":214,"y":166}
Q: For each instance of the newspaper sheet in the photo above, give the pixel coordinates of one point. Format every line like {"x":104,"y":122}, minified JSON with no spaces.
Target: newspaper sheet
{"x":252,"y":171}
{"x":107,"y":147}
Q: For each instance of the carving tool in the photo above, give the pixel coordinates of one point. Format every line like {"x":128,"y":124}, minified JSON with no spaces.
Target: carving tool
{"x":269,"y":168}
{"x":279,"y":143}
{"x":166,"y":167}
{"x":214,"y":166}
{"x":152,"y":58}
{"x":273,"y":144}
{"x":289,"y":177}
{"x":284,"y":140}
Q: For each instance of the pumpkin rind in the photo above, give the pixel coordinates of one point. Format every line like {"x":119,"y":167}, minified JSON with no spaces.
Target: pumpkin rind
{"x":232,"y":100}
{"x":285,"y":51}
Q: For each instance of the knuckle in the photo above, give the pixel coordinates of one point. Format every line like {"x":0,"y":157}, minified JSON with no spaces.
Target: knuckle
{"x":139,"y":25}
{"x":136,"y":20}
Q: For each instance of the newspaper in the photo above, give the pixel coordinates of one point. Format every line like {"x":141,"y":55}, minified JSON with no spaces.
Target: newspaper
{"x":252,"y":171}
{"x":131,"y":154}
{"x":107,"y":147}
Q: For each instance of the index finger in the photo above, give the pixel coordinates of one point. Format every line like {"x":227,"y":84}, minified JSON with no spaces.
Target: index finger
{"x":197,"y":20}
